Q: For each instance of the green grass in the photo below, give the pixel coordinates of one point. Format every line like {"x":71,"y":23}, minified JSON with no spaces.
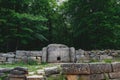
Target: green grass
{"x":30,"y":67}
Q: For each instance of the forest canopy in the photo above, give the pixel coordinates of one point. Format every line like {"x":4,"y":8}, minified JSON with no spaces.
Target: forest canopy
{"x":86,"y":24}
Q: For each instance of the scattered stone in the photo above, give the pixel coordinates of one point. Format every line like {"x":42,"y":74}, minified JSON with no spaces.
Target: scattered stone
{"x":52,"y":70}
{"x":40,"y":72}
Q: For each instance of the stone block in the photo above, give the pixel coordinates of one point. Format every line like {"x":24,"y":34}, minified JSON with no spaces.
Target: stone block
{"x":40,"y":72}
{"x":36,"y":53}
{"x":52,"y":70}
{"x":116,"y":66}
{"x":100,"y":68}
{"x":10,"y":60}
{"x":2,"y":59}
{"x":75,"y":69}
{"x":21,"y":53}
{"x":114,"y":75}
{"x":44,"y":54}
{"x":103,"y":57}
{"x":9,"y":55}
{"x":72,"y":54}
{"x":35,"y":77}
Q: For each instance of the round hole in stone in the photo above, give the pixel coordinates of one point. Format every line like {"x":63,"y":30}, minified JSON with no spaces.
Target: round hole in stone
{"x":58,"y":58}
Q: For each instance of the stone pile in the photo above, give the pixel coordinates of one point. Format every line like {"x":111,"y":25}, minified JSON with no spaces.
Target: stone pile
{"x":17,"y":73}
{"x":98,"y":55}
{"x":91,"y":71}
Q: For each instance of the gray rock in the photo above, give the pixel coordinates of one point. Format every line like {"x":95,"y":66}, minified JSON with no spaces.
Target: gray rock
{"x":44,"y":54}
{"x":2,"y":59}
{"x":52,"y":70}
{"x":10,"y":60}
{"x":114,"y":75}
{"x":36,"y":53}
{"x":75,"y":69}
{"x":116,"y":66}
{"x":5,"y":70}
{"x":100,"y":68}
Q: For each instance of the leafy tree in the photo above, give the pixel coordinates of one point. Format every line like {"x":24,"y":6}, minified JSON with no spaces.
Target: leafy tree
{"x":93,"y":22}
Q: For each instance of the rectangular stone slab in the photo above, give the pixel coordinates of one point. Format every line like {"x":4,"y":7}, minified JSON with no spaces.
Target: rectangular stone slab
{"x":116,"y":67}
{"x":75,"y":69}
{"x":114,"y":75}
{"x":100,"y":68}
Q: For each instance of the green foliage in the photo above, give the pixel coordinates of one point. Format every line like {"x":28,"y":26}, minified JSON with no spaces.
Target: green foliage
{"x":94,"y":23}
{"x":86,"y":24}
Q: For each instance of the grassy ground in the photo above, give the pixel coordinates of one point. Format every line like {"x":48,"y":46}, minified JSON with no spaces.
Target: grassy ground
{"x":30,"y":67}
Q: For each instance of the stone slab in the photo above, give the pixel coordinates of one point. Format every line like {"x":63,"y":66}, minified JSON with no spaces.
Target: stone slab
{"x":75,"y":69}
{"x":116,"y":66}
{"x":100,"y":68}
{"x":114,"y":75}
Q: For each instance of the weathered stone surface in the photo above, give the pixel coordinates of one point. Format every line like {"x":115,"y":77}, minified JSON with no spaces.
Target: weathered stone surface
{"x":10,"y":55}
{"x":5,"y":70}
{"x":103,"y":57}
{"x":100,"y":68}
{"x":75,"y":69}
{"x":3,"y":59}
{"x":52,"y":70}
{"x":61,"y":53}
{"x":57,"y":45}
{"x":44,"y":54}
{"x":36,"y":53}
{"x":40,"y":72}
{"x":72,"y":54}
{"x":21,"y":53}
{"x":99,"y":76}
{"x":17,"y":72}
{"x":116,"y":66}
{"x":11,"y":60}
{"x":25,"y":69}
{"x":35,"y":77}
{"x":114,"y":75}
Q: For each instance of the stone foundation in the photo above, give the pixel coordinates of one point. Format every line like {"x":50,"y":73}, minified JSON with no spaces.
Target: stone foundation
{"x":91,"y":71}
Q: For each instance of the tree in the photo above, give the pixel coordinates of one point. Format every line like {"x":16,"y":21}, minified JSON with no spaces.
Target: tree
{"x":93,"y":23}
{"x":19,"y":25}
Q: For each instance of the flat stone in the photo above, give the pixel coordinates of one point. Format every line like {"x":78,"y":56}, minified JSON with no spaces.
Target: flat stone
{"x":100,"y":68}
{"x":51,"y":70}
{"x":17,"y":72}
{"x":40,"y":72}
{"x":9,"y":55}
{"x":5,"y":70}
{"x":35,"y":77}
{"x":16,"y":76}
{"x":36,"y":53}
{"x":76,"y":69}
